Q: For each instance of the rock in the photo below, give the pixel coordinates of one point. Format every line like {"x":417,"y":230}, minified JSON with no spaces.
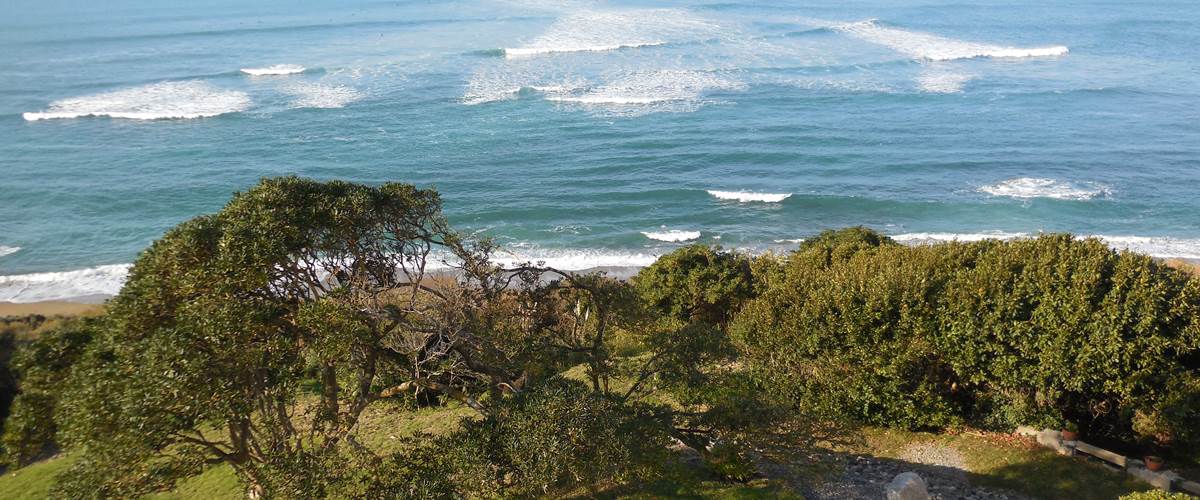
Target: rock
{"x":1053,"y":440}
{"x":1160,"y":480}
{"x":1025,"y":430}
{"x":907,"y":486}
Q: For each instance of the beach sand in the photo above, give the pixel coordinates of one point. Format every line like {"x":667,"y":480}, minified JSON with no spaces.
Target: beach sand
{"x":48,"y":308}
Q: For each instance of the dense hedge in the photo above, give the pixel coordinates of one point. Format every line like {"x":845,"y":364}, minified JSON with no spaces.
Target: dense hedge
{"x":992,"y":333}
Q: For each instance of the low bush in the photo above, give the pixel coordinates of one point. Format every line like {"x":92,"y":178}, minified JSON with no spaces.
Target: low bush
{"x":991,"y":333}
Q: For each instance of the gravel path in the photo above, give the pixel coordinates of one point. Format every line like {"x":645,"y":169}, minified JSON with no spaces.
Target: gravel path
{"x":943,"y":468}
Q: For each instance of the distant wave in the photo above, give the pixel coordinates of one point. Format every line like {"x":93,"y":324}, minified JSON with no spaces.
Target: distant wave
{"x":107,"y":280}
{"x":643,"y":92}
{"x":613,"y":99}
{"x":746,"y":196}
{"x":1033,"y":187}
{"x":932,"y":47}
{"x":5,"y":250}
{"x":65,"y":285}
{"x":605,"y":30}
{"x":672,"y":236}
{"x":1156,"y":246}
{"x":277,"y":69}
{"x":319,"y":95}
{"x":925,"y":238}
{"x":164,"y":100}
{"x":573,"y":259}
{"x":535,"y":51}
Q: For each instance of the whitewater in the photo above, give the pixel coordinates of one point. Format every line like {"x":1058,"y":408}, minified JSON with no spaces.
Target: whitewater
{"x":601,"y":134}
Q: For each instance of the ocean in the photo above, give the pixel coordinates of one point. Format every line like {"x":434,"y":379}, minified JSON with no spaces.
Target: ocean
{"x":591,"y":134}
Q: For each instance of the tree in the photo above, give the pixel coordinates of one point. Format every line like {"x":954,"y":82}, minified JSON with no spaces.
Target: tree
{"x":223,"y":318}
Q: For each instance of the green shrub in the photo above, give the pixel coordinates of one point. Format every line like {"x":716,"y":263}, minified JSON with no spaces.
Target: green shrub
{"x":1157,"y":495}
{"x":697,"y":282}
{"x":41,"y":367}
{"x":561,"y":434}
{"x":990,"y":333}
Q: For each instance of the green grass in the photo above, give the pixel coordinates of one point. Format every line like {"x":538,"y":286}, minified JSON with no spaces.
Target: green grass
{"x":216,"y":483}
{"x":32,"y":482}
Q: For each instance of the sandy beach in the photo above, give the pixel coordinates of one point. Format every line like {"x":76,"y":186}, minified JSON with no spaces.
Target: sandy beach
{"x":48,"y":308}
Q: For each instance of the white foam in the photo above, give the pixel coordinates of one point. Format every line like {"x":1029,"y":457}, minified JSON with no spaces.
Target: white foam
{"x":1156,"y":246}
{"x":938,"y":82}
{"x":606,"y":30}
{"x":572,"y":259}
{"x":1033,"y":187}
{"x":672,"y":235}
{"x":276,"y":69}
{"x":925,"y":238}
{"x":66,"y":285}
{"x":535,"y":51}
{"x":5,"y":250}
{"x":747,"y":196}
{"x":643,"y":92}
{"x":484,"y":89}
{"x":320,"y":95}
{"x":1160,"y":246}
{"x":163,"y":100}
{"x":932,"y":47}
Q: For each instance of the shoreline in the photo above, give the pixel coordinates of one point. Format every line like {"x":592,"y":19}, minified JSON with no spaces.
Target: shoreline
{"x":74,"y":306}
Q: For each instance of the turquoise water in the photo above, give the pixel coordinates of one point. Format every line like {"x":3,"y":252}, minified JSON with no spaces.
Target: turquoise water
{"x":587,"y":133}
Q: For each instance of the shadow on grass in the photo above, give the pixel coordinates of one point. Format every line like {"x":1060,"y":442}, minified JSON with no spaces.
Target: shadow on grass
{"x":841,"y":475}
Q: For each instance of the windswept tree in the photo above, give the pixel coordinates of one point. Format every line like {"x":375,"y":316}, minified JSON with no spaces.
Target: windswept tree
{"x":258,"y":336}
{"x":224,"y":318}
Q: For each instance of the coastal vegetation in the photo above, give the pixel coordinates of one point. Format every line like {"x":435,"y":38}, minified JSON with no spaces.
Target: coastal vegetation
{"x":332,"y":339}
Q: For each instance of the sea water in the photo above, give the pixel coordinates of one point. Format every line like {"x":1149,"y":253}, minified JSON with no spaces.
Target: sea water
{"x":591,"y":133}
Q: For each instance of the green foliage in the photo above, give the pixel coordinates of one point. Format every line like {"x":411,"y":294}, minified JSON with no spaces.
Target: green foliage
{"x":836,"y":245}
{"x":30,"y":429}
{"x":730,"y":462}
{"x":42,"y":366}
{"x":990,"y":333}
{"x":560,"y":433}
{"x":696,"y":282}
{"x":1157,"y":495}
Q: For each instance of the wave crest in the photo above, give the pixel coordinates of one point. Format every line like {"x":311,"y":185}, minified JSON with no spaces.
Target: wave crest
{"x":65,"y":285}
{"x":274,"y":70}
{"x":672,"y":235}
{"x":747,"y":196}
{"x":6,"y":250}
{"x":1164,"y":247}
{"x":932,"y":47}
{"x":163,"y":100}
{"x":1034,"y":187}
{"x":599,"y":31}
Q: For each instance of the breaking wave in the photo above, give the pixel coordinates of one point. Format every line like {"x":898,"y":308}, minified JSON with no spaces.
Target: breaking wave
{"x":1033,"y":187}
{"x":5,"y":250}
{"x":65,"y":285}
{"x":534,"y":51}
{"x":277,"y":69}
{"x":932,"y":47}
{"x":672,"y":236}
{"x":163,"y":100}
{"x":598,"y":31}
{"x":1156,"y":246}
{"x":644,"y":92}
{"x":747,"y":197}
